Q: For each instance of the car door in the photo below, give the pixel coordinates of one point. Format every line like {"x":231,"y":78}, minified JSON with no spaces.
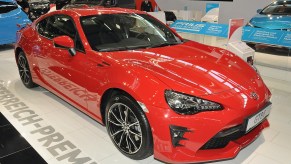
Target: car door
{"x":61,"y":71}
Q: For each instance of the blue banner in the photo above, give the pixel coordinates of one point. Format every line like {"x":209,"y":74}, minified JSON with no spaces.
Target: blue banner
{"x":266,"y":36}
{"x":203,"y":28}
{"x":219,"y":30}
{"x":210,"y":6}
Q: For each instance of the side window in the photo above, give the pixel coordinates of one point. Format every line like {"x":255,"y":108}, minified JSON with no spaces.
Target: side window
{"x":60,"y":25}
{"x":41,"y":27}
{"x":6,"y":7}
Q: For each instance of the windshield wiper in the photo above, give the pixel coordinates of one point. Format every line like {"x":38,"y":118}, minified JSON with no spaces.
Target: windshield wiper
{"x":133,"y":47}
{"x":137,"y":46}
{"x":124,"y":48}
{"x":112,"y":49}
{"x":164,"y":44}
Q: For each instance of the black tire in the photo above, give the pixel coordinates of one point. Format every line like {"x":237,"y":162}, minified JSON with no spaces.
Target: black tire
{"x":24,"y":71}
{"x":128,"y":127}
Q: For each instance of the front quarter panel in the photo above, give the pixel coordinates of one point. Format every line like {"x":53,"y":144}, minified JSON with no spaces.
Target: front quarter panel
{"x":105,"y":73}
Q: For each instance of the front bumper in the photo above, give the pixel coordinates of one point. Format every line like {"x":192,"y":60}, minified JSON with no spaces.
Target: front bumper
{"x":198,"y":141}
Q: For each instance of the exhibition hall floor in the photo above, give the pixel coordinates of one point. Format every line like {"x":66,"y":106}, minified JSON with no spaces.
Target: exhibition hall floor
{"x":59,"y":123}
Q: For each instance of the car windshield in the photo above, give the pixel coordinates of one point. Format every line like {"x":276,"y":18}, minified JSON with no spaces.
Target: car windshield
{"x":6,"y":7}
{"x":115,"y":32}
{"x":278,"y":8}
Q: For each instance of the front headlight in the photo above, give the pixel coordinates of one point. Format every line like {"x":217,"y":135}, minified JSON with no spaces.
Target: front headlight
{"x":186,"y":104}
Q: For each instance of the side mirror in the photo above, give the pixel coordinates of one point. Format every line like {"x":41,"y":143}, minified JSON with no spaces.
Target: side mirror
{"x":259,"y":10}
{"x":65,"y":42}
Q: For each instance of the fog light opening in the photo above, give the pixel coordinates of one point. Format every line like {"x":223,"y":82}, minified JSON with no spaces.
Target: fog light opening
{"x":177,"y":134}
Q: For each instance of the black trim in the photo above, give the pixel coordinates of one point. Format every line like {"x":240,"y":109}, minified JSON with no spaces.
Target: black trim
{"x":221,"y":139}
{"x":177,"y":134}
{"x":14,"y":148}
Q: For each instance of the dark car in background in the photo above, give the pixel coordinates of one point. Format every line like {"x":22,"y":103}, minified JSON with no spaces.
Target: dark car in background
{"x":38,"y":8}
{"x":130,"y":4}
{"x":276,"y":16}
{"x":79,"y":4}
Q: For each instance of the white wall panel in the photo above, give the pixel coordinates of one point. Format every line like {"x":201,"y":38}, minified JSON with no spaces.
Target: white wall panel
{"x":237,"y":9}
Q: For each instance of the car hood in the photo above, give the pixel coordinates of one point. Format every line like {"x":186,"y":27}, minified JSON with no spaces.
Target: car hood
{"x":192,"y":67}
{"x":271,"y":21}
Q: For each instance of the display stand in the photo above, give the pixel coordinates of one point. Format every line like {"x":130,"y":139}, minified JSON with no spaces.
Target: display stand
{"x":212,"y":13}
{"x":185,"y":15}
{"x":235,"y":45}
{"x":243,"y":50}
{"x":211,"y":16}
{"x":160,"y":15}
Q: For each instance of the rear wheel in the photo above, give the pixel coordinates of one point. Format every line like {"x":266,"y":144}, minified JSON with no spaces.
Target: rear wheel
{"x":128,"y":127}
{"x":24,"y":71}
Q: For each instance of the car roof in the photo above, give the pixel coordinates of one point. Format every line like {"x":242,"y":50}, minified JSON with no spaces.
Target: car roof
{"x":281,"y":1}
{"x":97,"y":10}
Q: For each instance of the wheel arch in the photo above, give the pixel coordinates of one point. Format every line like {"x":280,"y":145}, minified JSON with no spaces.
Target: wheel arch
{"x":147,"y":128}
{"x":106,"y":97}
{"x":140,"y":86}
{"x":17,"y":51}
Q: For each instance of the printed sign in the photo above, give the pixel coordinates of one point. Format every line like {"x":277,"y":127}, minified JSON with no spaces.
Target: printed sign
{"x":219,"y":30}
{"x":266,"y":36}
{"x":211,"y":6}
{"x":234,"y":24}
{"x":188,"y":26}
{"x":203,"y":28}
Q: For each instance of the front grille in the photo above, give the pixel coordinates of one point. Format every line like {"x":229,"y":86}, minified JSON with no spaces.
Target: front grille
{"x":223,"y":138}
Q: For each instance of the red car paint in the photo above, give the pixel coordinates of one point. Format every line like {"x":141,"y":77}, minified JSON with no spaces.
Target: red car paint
{"x":191,"y":68}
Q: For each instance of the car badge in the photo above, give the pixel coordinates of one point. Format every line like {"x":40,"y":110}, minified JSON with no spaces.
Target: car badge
{"x":254,"y":96}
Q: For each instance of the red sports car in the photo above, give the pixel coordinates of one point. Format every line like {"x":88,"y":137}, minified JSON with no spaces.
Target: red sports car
{"x":155,"y":92}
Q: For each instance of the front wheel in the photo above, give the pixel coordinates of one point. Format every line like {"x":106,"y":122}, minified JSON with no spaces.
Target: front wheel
{"x":24,"y":71}
{"x":128,"y":127}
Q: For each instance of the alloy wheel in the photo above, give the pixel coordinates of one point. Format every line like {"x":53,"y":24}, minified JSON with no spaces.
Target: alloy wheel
{"x":24,"y":70}
{"x":124,"y":128}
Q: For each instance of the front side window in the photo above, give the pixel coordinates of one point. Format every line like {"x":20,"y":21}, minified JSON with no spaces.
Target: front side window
{"x":113,"y":32}
{"x":41,"y":27}
{"x":6,"y":7}
{"x":59,"y":25}
{"x":278,"y":8}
